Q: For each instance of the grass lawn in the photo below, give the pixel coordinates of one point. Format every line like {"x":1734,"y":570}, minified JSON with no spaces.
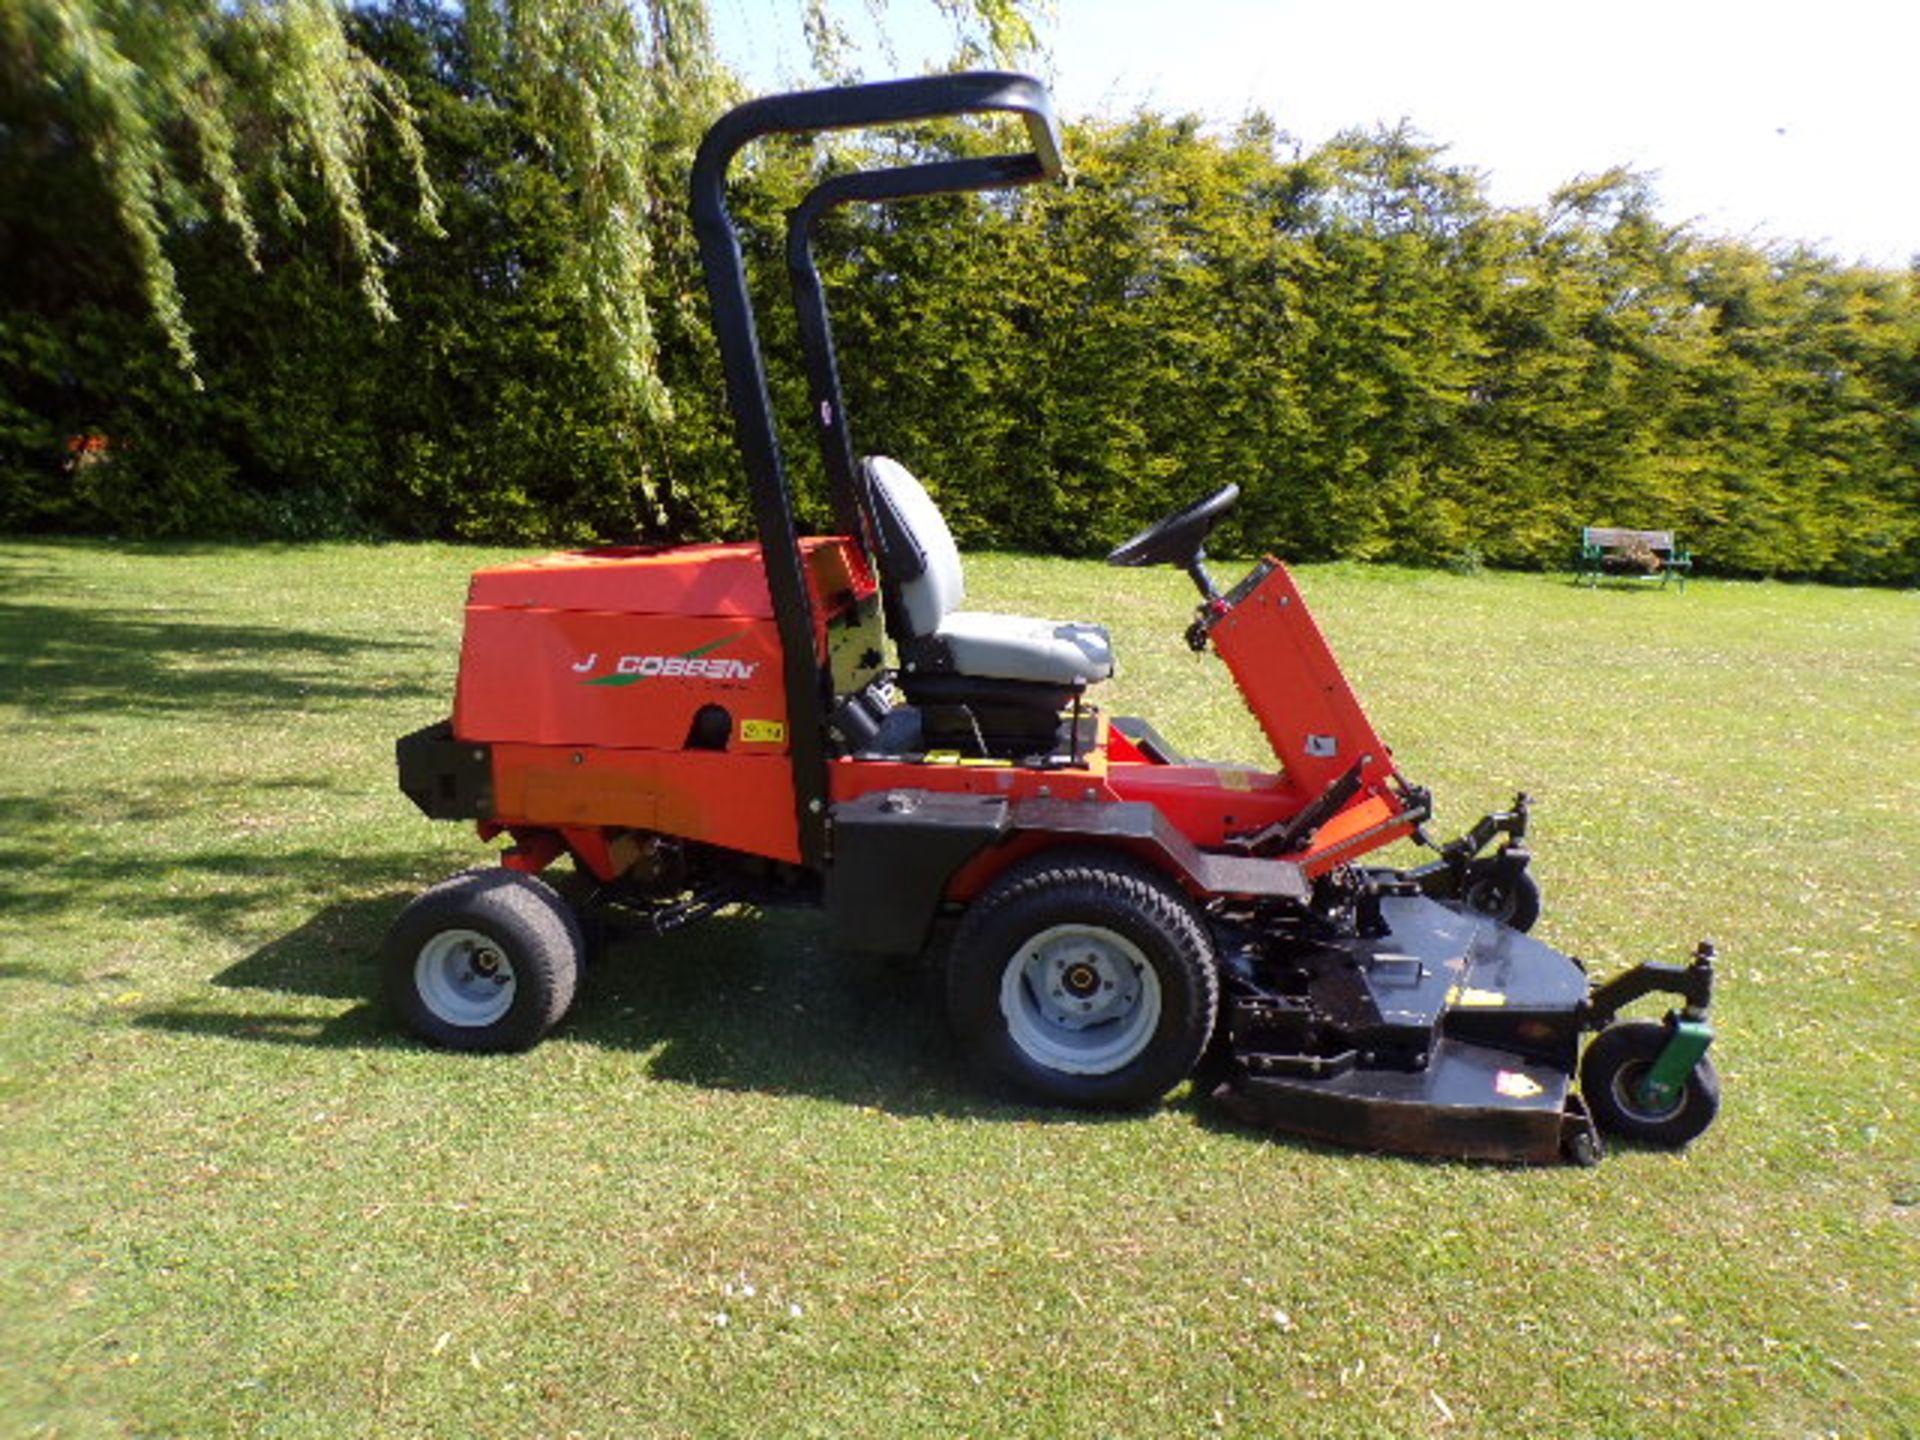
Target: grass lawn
{"x":745,"y":1190}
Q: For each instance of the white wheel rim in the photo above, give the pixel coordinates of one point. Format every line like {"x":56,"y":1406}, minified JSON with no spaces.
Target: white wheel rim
{"x":1080,"y":1000}
{"x":464,"y":978}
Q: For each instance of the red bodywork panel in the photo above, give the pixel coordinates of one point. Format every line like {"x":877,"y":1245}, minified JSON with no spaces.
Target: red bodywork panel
{"x":1311,"y":717}
{"x":732,"y":799}
{"x":1294,"y":686}
{"x":586,"y":673}
{"x":622,"y":648}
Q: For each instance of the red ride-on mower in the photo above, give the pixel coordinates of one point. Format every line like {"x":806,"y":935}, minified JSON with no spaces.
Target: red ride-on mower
{"x":698,"y":725}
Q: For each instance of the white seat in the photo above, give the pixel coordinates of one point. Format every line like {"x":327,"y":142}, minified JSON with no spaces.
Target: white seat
{"x":1018,"y":647}
{"x":921,"y":561}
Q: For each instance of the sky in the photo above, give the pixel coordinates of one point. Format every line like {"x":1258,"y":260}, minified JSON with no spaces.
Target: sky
{"x":1760,"y":120}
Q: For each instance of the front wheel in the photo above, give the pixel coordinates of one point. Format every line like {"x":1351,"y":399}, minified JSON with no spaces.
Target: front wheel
{"x":1085,"y":980}
{"x":1613,"y":1075}
{"x":488,"y":960}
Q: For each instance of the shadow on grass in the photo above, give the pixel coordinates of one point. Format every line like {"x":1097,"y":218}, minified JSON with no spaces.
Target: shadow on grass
{"x":762,"y":1002}
{"x":333,"y":956}
{"x":743,"y":1001}
{"x":746,"y":1002}
{"x":53,"y":860}
{"x":71,"y":659}
{"x":42,"y":974}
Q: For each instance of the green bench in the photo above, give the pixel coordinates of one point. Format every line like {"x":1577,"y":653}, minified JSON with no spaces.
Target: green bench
{"x":1632,"y":554}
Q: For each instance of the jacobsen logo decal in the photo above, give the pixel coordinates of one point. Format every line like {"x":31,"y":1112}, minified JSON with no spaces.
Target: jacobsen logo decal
{"x":693,"y":664}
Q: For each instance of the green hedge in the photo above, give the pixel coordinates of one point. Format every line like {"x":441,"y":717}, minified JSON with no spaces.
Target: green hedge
{"x":1391,"y":367}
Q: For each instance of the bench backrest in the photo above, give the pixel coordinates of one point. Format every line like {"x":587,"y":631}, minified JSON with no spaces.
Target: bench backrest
{"x":1610,"y":539}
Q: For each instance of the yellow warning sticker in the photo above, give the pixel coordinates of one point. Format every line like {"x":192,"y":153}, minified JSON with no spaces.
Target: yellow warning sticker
{"x":763,"y":732}
{"x":1233,"y":779}
{"x":1469,"y":998}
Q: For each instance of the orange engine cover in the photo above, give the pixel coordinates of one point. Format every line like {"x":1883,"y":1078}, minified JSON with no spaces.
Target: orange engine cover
{"x":625,"y":648}
{"x":587,"y":675}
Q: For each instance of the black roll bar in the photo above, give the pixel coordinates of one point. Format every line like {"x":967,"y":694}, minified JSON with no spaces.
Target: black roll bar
{"x":837,"y":449}
{"x":806,"y":673}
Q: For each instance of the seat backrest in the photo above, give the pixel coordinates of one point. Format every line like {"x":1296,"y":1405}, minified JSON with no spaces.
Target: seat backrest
{"x":918,"y":559}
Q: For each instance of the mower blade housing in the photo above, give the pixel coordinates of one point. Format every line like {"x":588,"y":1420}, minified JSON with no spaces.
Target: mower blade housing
{"x":1448,"y":1035}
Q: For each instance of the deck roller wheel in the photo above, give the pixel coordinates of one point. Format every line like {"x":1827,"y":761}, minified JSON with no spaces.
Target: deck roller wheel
{"x":1500,"y":893}
{"x":1613,"y":1073}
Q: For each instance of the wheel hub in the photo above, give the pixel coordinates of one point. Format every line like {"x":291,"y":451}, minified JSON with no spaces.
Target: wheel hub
{"x":464,"y":978}
{"x":1633,"y":1093}
{"x":1080,"y":999}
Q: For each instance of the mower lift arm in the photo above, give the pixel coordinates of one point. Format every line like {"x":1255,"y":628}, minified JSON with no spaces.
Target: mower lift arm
{"x":1692,"y":982}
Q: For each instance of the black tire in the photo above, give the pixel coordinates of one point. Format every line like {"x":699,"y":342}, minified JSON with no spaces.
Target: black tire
{"x":1120,"y":940}
{"x":1513,"y":901}
{"x":487,"y":960}
{"x":1617,"y":1059}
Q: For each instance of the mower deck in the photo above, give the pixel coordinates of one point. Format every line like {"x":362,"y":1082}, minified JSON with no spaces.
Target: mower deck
{"x":1450,"y":1034}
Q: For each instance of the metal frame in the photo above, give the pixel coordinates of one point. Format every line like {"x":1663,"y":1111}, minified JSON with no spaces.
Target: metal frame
{"x":998,"y":172}
{"x":1692,"y":982}
{"x":805,"y":670}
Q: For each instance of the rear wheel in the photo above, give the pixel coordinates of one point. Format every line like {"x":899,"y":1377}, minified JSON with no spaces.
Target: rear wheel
{"x":1084,"y":980}
{"x":1613,"y":1074}
{"x":488,"y":960}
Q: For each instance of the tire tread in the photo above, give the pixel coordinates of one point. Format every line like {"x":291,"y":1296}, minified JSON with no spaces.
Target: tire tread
{"x":1123,"y":887}
{"x":523,"y":912}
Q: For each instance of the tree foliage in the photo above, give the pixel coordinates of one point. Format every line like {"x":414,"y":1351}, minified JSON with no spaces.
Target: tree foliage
{"x":164,"y":95}
{"x":182,"y":102}
{"x":501,"y":331}
{"x":1391,"y":367}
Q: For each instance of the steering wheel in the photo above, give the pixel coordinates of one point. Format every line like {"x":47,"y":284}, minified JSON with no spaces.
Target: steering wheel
{"x":1179,"y":539}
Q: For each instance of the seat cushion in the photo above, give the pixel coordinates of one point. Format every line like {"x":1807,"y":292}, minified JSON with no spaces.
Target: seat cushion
{"x":1018,"y":647}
